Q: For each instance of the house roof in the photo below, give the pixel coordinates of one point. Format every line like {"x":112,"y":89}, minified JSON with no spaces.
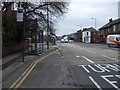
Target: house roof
{"x":90,"y":29}
{"x":110,"y":23}
{"x":79,"y":31}
{"x":71,"y":35}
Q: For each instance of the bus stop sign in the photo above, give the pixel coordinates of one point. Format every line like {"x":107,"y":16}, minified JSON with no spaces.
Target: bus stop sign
{"x":20,"y":14}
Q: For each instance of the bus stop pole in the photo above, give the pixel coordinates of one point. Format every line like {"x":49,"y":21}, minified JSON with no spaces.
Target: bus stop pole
{"x":24,"y":19}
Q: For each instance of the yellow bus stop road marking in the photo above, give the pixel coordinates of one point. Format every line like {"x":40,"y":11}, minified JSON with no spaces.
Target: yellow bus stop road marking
{"x":20,"y":80}
{"x":34,"y":43}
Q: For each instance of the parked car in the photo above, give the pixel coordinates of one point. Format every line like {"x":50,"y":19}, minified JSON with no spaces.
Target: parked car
{"x":64,"y":40}
{"x":70,"y":41}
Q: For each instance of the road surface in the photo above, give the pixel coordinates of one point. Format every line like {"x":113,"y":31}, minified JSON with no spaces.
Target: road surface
{"x":74,"y":65}
{"x":92,"y":65}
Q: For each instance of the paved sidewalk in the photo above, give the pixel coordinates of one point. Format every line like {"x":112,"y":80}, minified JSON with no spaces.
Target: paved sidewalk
{"x":21,"y":66}
{"x":50,"y":72}
{"x":17,"y":57}
{"x":10,"y":59}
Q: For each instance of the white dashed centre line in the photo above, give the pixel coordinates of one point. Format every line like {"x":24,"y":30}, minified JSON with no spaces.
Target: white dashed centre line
{"x":109,"y":57}
{"x":77,"y":56}
{"x":90,"y":51}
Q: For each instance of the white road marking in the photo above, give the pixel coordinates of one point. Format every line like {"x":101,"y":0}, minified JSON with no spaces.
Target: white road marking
{"x":110,"y":50}
{"x":100,"y":69}
{"x":108,"y":67}
{"x":88,"y":59}
{"x":83,"y":66}
{"x":103,"y":68}
{"x":110,"y":82}
{"x":62,"y":57}
{"x":112,"y":67}
{"x":118,"y":66}
{"x":109,"y":57}
{"x":115,"y":59}
{"x":81,"y":48}
{"x":77,"y":56}
{"x":96,"y":84}
{"x":117,"y":76}
{"x":91,"y":51}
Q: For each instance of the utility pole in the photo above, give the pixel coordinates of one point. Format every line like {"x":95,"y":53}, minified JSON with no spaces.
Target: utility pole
{"x":47,"y":27}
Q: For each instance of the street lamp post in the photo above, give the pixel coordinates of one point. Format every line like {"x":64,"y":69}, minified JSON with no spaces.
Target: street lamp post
{"x":95,"y":22}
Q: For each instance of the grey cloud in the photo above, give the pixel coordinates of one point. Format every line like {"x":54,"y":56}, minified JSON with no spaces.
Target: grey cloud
{"x":82,"y":12}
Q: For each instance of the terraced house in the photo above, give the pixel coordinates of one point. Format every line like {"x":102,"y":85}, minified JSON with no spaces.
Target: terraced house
{"x":112,"y":27}
{"x":100,"y":35}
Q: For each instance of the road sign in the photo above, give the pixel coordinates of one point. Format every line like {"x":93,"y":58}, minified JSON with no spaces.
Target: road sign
{"x":20,"y":14}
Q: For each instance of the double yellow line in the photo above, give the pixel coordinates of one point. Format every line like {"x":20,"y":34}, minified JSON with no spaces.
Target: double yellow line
{"x":20,"y":80}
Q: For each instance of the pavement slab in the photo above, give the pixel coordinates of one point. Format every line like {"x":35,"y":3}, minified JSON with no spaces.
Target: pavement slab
{"x":49,"y":73}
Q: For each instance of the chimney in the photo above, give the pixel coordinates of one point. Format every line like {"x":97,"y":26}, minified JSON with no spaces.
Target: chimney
{"x":110,"y":20}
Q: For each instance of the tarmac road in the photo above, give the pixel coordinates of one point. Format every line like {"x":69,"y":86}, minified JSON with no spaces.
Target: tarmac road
{"x":92,"y":65}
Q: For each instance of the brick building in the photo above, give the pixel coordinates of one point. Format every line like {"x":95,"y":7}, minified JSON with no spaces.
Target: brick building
{"x":93,"y":36}
{"x":89,"y":35}
{"x":78,"y":36}
{"x":113,"y":26}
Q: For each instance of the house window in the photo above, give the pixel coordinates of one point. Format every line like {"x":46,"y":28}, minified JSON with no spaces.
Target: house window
{"x":87,"y":33}
{"x":114,"y":28}
{"x":119,"y":27}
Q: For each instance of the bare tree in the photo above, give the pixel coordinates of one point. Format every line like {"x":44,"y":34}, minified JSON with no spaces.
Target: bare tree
{"x":36,"y":10}
{"x":39,"y":10}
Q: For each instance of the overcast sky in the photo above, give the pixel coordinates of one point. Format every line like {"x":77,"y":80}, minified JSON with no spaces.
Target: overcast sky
{"x":80,"y":14}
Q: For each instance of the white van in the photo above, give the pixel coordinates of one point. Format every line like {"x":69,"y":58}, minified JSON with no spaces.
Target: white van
{"x":113,"y":40}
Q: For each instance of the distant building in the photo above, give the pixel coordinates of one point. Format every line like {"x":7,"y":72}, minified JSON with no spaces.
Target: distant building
{"x":88,"y":35}
{"x":71,"y":36}
{"x":112,"y":27}
{"x":64,"y":36}
{"x":91,"y":35}
{"x":78,"y":36}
